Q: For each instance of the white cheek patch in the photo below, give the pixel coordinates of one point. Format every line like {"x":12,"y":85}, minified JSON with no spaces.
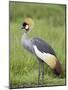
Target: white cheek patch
{"x":26,"y":27}
{"x":46,"y":57}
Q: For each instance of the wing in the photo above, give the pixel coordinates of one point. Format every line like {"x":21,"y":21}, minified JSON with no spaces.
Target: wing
{"x":43,"y":46}
{"x":46,"y":54}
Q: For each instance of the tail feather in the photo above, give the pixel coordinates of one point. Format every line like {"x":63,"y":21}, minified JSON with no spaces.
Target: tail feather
{"x":58,"y":69}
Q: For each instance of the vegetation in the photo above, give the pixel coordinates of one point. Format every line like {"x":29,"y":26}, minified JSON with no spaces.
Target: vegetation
{"x":49,"y":25}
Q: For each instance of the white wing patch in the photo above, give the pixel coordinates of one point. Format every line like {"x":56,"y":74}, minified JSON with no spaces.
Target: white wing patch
{"x":46,"y":57}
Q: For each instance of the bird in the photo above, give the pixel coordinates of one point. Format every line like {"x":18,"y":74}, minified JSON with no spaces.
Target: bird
{"x":44,"y":53}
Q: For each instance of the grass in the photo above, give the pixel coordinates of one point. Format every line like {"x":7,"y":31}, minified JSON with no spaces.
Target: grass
{"x":23,"y":65}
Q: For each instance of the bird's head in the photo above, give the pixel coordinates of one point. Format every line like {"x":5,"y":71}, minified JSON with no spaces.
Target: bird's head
{"x":27,"y":24}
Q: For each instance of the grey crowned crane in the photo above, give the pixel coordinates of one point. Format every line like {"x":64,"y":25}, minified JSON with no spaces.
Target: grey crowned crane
{"x":41,"y":49}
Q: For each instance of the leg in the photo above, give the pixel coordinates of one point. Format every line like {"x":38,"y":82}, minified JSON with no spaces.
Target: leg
{"x":42,"y":72}
{"x":39,"y":68}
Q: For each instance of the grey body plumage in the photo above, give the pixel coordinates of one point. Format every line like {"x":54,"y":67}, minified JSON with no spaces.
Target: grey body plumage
{"x":41,"y":45}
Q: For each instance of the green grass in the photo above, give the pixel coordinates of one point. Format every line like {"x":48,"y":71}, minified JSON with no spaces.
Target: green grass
{"x":23,"y":65}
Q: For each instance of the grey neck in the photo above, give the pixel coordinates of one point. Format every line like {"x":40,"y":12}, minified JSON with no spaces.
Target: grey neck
{"x":25,"y":35}
{"x":27,"y":43}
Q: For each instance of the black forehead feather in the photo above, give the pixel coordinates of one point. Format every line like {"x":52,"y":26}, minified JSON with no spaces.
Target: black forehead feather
{"x":24,"y":24}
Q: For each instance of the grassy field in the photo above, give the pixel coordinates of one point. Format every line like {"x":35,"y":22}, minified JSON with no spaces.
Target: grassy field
{"x":50,"y":26}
